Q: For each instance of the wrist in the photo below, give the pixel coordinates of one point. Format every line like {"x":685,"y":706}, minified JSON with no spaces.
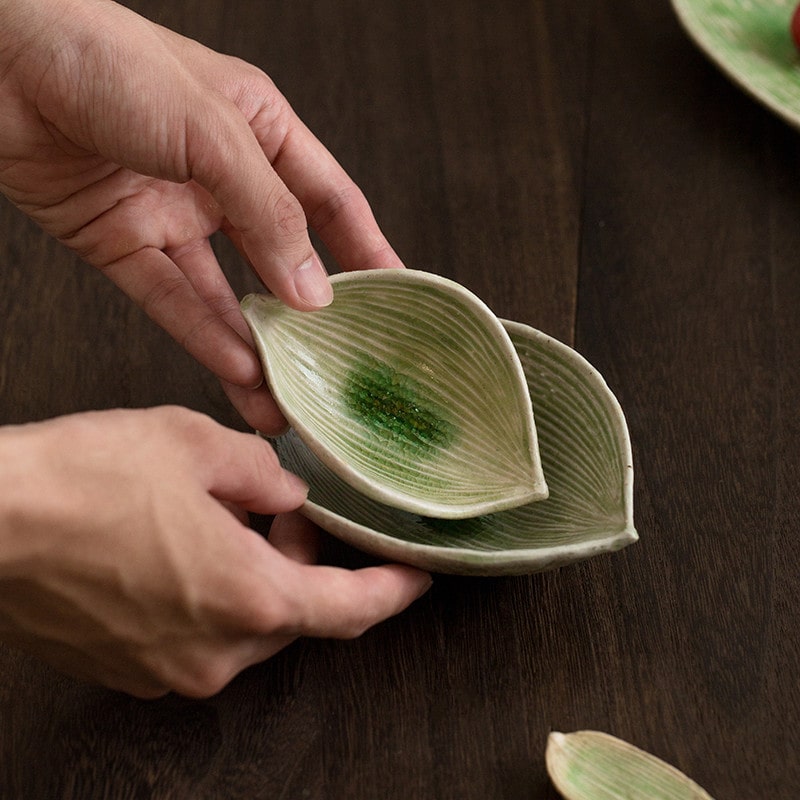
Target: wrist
{"x":13,"y":493}
{"x":10,"y":505}
{"x":23,"y":498}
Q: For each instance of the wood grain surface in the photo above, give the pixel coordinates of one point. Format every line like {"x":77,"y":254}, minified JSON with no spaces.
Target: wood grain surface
{"x":583,"y":169}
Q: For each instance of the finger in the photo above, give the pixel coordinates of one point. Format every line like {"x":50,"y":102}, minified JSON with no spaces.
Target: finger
{"x":153,"y":281}
{"x":342,"y":604}
{"x":198,"y":262}
{"x":227,"y":160}
{"x":257,"y":407}
{"x":250,"y":475}
{"x":295,"y":537}
{"x":238,"y":512}
{"x":241,"y":468}
{"x":335,"y":207}
{"x":254,"y":402}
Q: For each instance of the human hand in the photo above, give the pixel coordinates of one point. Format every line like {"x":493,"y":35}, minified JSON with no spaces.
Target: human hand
{"x":124,"y":558}
{"x":132,"y":145}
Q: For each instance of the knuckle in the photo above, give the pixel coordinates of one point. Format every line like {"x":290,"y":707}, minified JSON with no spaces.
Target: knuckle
{"x":182,"y":421}
{"x":272,"y":608}
{"x":255,"y":76}
{"x":222,"y":304}
{"x":274,"y":617}
{"x":273,"y":621}
{"x":330,"y":210}
{"x":271,"y":115}
{"x":161,"y":293}
{"x":288,"y":216}
{"x":196,"y":331}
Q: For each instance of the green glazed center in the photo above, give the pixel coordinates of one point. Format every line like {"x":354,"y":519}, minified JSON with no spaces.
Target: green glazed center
{"x":393,"y":406}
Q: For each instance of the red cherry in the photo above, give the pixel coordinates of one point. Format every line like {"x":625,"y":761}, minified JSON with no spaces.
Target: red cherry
{"x":795,"y":27}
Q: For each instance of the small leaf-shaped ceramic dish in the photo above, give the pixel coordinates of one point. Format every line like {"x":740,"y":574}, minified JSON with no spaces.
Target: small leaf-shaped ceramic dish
{"x":590,"y":765}
{"x":409,"y":389}
{"x":586,"y":455}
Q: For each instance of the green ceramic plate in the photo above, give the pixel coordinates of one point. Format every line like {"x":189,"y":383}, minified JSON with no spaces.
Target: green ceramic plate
{"x":586,"y":456}
{"x":749,"y":40}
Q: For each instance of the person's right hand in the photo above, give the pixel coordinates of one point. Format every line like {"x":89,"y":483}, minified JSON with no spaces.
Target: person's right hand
{"x":132,"y":145}
{"x":125,"y":558}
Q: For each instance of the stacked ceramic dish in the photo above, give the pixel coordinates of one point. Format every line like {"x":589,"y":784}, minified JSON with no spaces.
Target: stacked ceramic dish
{"x":433,"y":433}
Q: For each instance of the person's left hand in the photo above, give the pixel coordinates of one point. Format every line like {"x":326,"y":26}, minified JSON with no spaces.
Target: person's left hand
{"x":126,"y":557}
{"x":132,"y":145}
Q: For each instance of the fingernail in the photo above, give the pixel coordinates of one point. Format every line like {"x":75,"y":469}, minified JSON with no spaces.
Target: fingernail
{"x":312,"y":284}
{"x":296,"y":482}
{"x":425,"y":586}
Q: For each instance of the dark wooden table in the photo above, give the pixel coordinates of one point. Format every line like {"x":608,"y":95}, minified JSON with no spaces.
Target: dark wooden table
{"x":583,"y":169}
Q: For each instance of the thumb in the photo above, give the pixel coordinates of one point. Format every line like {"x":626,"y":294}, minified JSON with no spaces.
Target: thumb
{"x":270,"y":225}
{"x":343,"y":604}
{"x":240,"y":468}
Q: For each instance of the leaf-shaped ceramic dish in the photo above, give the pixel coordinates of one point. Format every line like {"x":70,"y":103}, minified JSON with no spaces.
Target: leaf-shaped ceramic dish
{"x":586,"y":455}
{"x":750,"y":41}
{"x":408,"y":388}
{"x":591,"y":765}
